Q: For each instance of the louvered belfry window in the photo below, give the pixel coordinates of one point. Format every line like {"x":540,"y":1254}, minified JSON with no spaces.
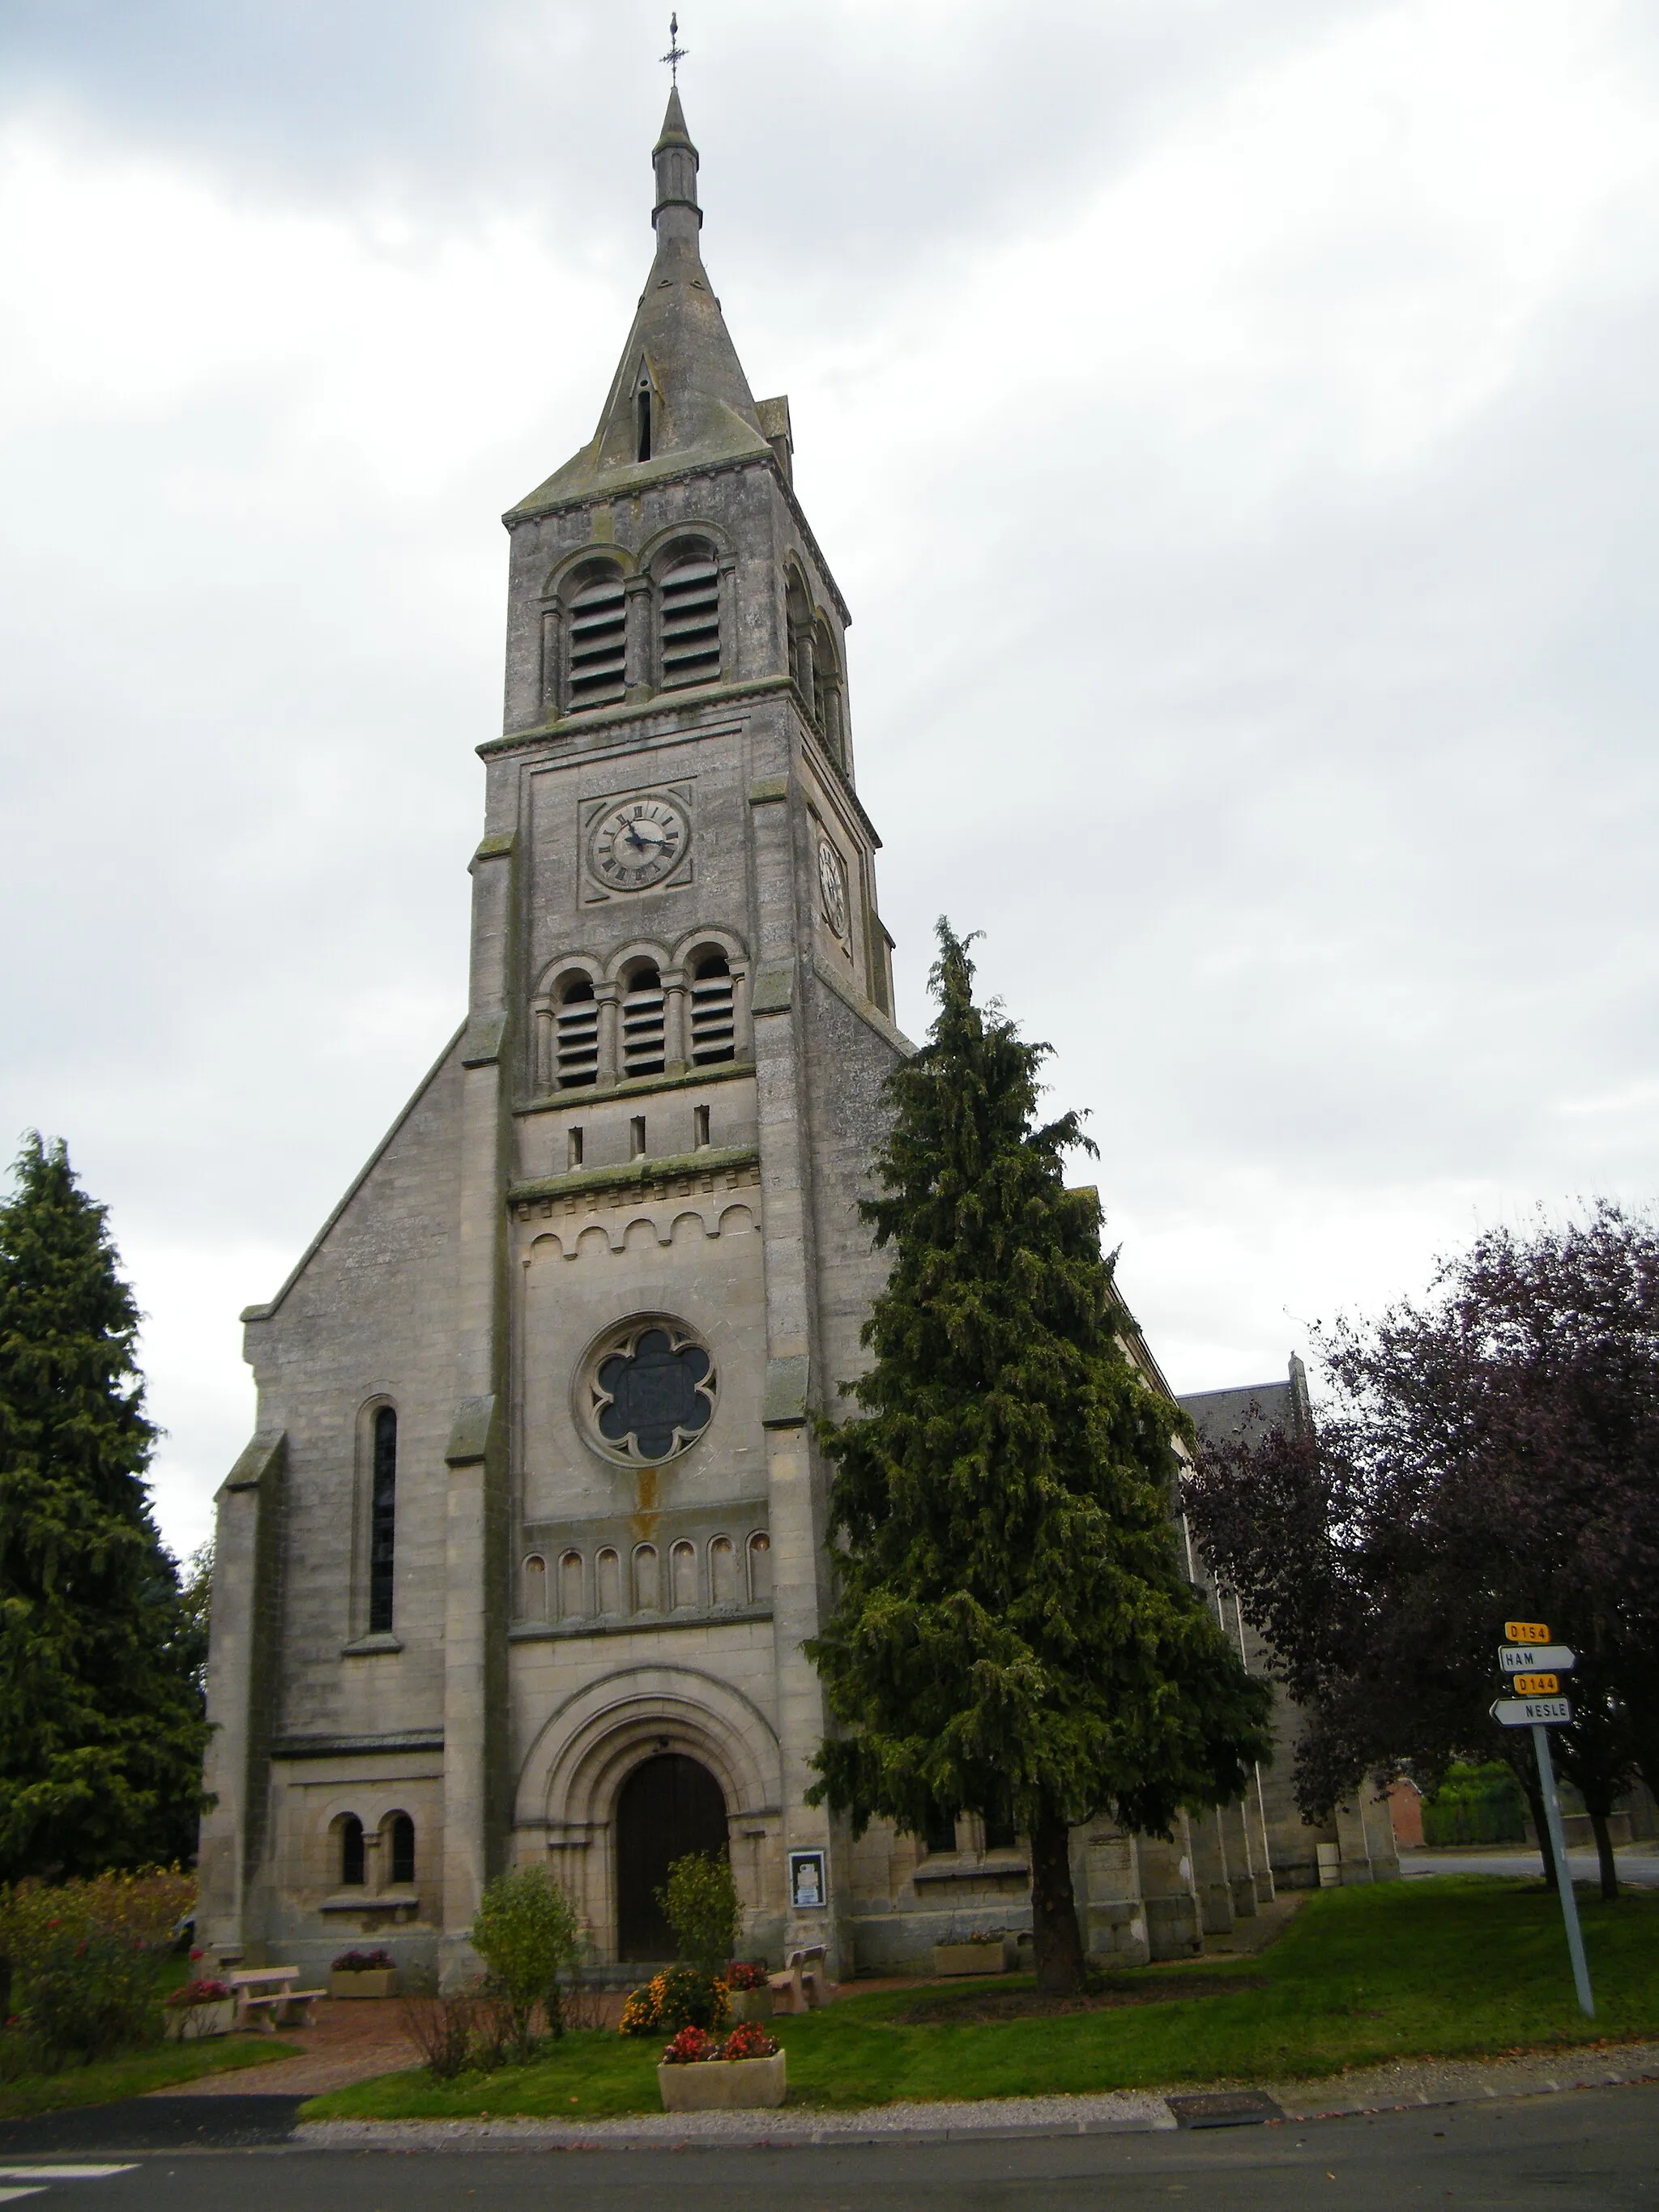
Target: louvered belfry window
{"x":597,"y":646}
{"x":576,"y":1035}
{"x":713,"y":1018}
{"x":642,"y":1024}
{"x":689,"y":614}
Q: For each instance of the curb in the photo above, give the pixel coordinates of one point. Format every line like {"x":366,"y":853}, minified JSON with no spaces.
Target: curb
{"x":1398,"y":2088}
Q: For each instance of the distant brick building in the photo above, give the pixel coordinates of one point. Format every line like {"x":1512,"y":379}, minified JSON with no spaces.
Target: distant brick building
{"x":519,"y":1563}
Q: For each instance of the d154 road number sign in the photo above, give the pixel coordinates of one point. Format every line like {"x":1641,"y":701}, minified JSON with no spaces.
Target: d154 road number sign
{"x":1526,"y":1658}
{"x":1531,"y":1712}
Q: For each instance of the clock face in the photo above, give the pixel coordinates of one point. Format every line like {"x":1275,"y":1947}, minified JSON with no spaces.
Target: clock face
{"x":637,"y":842}
{"x":832,"y":887}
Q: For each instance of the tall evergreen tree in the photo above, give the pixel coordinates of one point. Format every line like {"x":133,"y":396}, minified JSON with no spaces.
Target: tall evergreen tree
{"x":101,"y":1730}
{"x":1014,"y":1634}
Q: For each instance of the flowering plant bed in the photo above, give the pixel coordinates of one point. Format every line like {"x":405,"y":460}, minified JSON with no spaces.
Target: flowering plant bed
{"x":698,"y":2073}
{"x":749,"y":1991}
{"x":980,"y":1954}
{"x":203,"y":2006}
{"x":363,"y":1974}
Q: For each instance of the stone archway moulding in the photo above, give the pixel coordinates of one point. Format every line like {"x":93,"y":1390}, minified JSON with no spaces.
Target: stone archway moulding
{"x":573,"y":1768}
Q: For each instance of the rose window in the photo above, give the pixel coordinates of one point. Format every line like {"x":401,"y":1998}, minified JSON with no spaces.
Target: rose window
{"x":649,"y":1390}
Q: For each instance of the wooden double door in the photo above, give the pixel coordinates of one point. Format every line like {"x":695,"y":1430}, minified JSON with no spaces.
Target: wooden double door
{"x":668,"y":1808}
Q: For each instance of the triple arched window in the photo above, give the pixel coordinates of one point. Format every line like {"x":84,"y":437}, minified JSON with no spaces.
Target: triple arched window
{"x":608,"y":636}
{"x":660,"y":1010}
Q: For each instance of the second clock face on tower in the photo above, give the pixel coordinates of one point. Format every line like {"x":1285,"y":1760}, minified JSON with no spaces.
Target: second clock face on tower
{"x":637,"y":842}
{"x":832,"y":887}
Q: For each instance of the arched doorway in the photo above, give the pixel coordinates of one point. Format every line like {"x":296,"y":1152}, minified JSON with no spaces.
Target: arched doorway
{"x":667,"y":1808}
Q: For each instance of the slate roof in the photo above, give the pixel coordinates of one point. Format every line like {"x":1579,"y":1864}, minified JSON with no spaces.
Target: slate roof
{"x":1223,"y":1416}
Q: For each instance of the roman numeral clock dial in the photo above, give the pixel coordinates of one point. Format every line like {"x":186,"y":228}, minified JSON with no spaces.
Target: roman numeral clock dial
{"x":638,"y":842}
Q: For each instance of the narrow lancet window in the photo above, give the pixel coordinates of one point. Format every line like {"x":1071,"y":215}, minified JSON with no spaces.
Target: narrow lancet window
{"x":642,"y":409}
{"x":403,"y":1849}
{"x":383,"y":1523}
{"x":351,"y":1852}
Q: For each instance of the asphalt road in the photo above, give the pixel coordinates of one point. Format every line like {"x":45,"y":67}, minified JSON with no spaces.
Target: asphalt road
{"x":1637,"y":1863}
{"x":1597,"y":2149}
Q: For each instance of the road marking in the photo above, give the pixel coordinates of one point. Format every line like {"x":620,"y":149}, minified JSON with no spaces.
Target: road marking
{"x":11,"y":2196}
{"x":62,"y":2173}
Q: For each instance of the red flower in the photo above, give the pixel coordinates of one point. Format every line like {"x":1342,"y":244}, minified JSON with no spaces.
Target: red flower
{"x":690,"y":2047}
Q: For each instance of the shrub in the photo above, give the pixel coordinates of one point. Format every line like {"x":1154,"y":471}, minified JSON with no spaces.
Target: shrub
{"x":364,"y":1962}
{"x":744,"y":1974}
{"x":701,"y":1907}
{"x":749,"y":2040}
{"x":642,"y":2014}
{"x":691,"y":1998}
{"x":440,"y":2028}
{"x":692,"y":2046}
{"x":1476,"y":1805}
{"x":86,"y":1959}
{"x":526,"y":1932}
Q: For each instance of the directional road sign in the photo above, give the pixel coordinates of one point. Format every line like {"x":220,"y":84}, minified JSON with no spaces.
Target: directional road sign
{"x":1524,"y":1658}
{"x":1531,"y":1712}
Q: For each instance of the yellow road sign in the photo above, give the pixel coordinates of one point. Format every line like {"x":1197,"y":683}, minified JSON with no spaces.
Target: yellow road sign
{"x":1537,"y":1686}
{"x":1526,"y":1632}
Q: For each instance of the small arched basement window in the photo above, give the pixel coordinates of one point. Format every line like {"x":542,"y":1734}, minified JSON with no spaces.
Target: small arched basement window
{"x":642,"y":1019}
{"x":714,"y":1017}
{"x":351,"y":1852}
{"x":383,"y":1523}
{"x":403,"y":1848}
{"x":688,"y":620}
{"x":576,"y":1035}
{"x":597,"y":653}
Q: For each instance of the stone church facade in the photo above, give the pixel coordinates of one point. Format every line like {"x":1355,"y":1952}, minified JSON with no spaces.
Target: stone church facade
{"x":518,"y":1563}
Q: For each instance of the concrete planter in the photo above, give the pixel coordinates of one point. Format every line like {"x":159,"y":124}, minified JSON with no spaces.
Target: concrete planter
{"x":970,"y":1959}
{"x":724,"y":2085}
{"x":749,"y":2004}
{"x":190,"y":2023}
{"x":376,"y":1982}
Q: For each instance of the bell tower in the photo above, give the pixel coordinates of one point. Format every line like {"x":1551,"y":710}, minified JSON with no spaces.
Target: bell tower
{"x":680,"y":1024}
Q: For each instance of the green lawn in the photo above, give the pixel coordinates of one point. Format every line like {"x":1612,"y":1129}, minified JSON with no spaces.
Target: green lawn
{"x":1457,"y":1966}
{"x":136,"y":2074}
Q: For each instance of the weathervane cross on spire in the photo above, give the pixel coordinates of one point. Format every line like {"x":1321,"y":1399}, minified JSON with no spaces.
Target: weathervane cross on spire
{"x":675,"y":53}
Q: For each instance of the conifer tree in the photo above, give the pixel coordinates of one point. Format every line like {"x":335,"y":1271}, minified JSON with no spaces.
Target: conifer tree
{"x":1014,"y":1634}
{"x":101,"y":1731}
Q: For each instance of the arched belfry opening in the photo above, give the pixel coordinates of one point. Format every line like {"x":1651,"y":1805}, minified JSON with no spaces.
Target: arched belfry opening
{"x":667,"y":1808}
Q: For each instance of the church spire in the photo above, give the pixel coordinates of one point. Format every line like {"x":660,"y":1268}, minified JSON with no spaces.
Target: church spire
{"x":679,"y":397}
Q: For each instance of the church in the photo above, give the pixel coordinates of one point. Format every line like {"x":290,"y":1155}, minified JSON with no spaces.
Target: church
{"x":518,"y":1565}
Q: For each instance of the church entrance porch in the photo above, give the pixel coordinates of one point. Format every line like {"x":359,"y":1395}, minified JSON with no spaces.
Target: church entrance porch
{"x":669,"y":1808}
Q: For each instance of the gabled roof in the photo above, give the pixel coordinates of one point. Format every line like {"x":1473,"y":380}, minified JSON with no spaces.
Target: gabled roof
{"x":679,"y":351}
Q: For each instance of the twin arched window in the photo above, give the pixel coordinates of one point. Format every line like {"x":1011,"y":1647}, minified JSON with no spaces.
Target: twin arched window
{"x":679,"y":646}
{"x":399,"y":1837}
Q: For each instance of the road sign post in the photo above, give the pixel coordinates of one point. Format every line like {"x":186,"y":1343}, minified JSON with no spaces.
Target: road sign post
{"x":1540,"y":1744}
{"x":1533,"y":1664}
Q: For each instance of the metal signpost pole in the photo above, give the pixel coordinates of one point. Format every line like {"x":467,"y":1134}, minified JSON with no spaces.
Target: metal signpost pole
{"x":1540,"y":1744}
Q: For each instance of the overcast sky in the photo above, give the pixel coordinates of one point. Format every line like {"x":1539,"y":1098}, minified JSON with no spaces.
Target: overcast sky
{"x":1233,"y":428}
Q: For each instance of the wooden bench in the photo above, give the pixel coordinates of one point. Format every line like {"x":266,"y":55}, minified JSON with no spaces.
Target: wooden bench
{"x":797,"y":1988}
{"x":266,"y":1998}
